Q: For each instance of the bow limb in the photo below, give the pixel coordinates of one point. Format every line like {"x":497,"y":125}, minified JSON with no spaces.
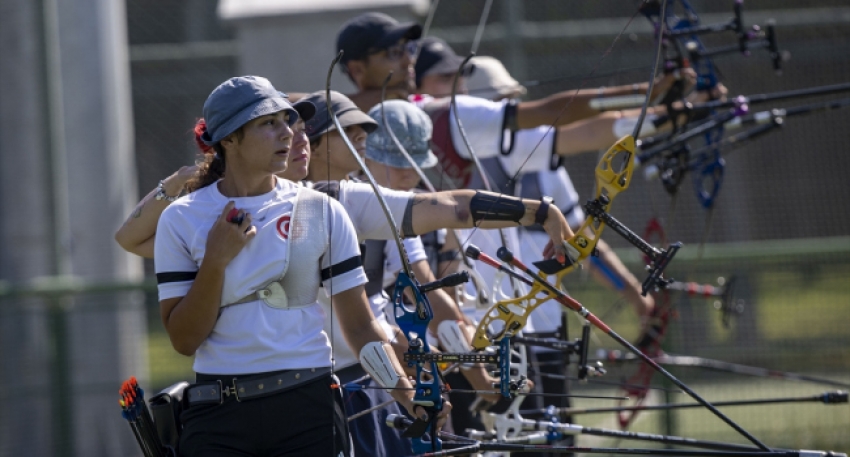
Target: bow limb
{"x":384,"y":206}
{"x":609,"y":184}
{"x":611,"y":179}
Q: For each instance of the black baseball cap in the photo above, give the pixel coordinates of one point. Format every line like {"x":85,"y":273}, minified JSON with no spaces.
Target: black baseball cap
{"x":372,"y":31}
{"x":436,"y":57}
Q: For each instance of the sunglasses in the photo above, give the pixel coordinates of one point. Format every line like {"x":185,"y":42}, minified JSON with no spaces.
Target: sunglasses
{"x":398,"y":50}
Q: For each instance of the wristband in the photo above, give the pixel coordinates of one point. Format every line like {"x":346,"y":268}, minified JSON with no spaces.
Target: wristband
{"x":543,"y":210}
{"x":161,"y":195}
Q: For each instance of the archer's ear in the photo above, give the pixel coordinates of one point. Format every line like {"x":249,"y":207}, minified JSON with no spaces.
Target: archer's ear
{"x":230,"y":141}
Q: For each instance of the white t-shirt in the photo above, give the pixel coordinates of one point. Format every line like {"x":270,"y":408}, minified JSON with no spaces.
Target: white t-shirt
{"x":483,"y":122}
{"x":253,"y":337}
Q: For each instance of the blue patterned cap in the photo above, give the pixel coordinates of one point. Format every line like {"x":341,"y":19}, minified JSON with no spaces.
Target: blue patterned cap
{"x":413,"y":129}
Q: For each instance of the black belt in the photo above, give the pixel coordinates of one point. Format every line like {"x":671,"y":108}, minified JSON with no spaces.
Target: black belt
{"x":247,"y":387}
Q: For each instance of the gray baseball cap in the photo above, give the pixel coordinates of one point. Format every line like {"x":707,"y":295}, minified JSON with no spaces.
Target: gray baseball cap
{"x":413,"y":129}
{"x":239,"y":100}
{"x":347,"y":112}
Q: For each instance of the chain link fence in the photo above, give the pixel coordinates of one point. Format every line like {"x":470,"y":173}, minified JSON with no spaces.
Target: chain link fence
{"x":779,"y":224}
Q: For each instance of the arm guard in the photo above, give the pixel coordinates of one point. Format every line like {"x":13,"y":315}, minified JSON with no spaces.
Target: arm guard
{"x":376,"y":361}
{"x":495,"y":207}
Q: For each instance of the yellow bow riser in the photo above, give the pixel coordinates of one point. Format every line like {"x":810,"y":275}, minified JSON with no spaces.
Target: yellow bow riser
{"x":609,"y":183}
{"x":510,"y":316}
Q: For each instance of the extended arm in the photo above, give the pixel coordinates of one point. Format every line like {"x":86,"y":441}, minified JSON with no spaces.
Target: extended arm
{"x":456,"y":209}
{"x":572,"y":105}
{"x":604,"y":129}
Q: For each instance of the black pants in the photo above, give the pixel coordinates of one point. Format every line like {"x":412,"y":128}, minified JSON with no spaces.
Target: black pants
{"x":307,"y":420}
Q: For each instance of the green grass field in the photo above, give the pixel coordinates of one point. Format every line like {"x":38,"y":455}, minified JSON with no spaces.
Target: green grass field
{"x":793,"y":425}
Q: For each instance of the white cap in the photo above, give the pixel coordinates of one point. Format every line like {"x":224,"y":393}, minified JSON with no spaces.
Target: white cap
{"x":492,"y":80}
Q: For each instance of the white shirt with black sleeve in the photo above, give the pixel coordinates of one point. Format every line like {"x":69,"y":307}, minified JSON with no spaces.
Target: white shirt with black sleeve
{"x":253,"y":337}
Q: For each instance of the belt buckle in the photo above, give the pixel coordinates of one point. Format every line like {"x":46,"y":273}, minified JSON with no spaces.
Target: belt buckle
{"x":226,"y":391}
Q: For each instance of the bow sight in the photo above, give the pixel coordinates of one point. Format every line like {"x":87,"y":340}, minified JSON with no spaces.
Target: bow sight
{"x":659,"y":258}
{"x":681,"y":37}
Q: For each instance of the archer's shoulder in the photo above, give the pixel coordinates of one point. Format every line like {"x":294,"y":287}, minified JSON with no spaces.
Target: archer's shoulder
{"x":329,"y":188}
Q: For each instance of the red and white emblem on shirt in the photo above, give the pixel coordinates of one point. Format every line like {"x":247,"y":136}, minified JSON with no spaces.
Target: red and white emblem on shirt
{"x":283,"y":226}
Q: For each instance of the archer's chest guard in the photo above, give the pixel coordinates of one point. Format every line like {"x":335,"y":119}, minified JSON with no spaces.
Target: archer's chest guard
{"x":299,"y":287}
{"x":456,"y":169}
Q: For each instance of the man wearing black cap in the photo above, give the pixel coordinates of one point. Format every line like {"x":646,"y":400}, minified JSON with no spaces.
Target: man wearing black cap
{"x":374,"y":45}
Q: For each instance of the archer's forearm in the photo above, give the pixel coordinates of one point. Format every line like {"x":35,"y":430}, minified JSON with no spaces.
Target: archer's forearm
{"x":356,"y":319}
{"x":604,"y":129}
{"x":139,"y":229}
{"x":451,"y":209}
{"x":551,"y":110}
{"x":137,"y":234}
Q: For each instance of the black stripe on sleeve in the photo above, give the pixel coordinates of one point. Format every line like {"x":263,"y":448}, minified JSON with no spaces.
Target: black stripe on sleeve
{"x":175,"y":276}
{"x":331,"y":188}
{"x":341,"y":268}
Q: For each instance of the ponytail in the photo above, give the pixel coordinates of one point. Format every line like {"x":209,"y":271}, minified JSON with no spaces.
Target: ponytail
{"x":211,"y":169}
